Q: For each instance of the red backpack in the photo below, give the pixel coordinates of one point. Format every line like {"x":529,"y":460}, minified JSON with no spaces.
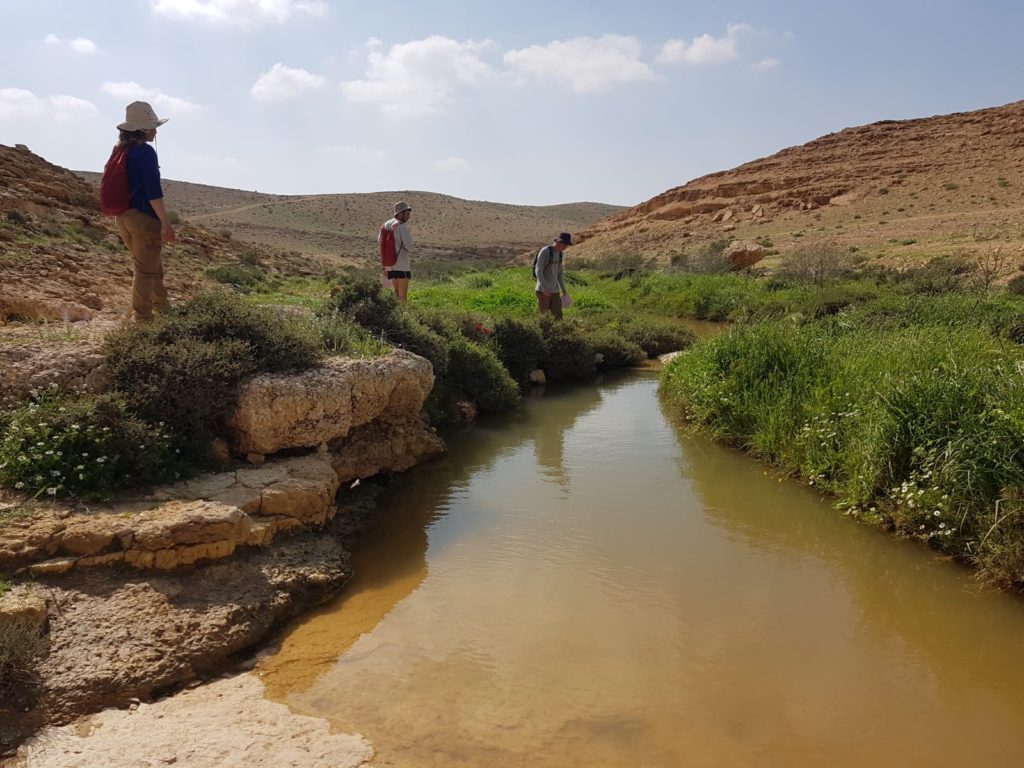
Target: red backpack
{"x":388,"y":251}
{"x":115,"y":194}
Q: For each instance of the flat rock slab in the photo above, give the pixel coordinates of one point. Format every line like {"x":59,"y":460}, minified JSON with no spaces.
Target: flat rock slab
{"x":226,"y":724}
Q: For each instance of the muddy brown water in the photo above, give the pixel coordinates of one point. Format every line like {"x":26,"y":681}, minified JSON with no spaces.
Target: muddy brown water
{"x":584,"y":584}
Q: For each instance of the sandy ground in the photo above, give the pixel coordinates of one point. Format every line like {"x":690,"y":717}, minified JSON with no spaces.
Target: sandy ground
{"x":225,"y":724}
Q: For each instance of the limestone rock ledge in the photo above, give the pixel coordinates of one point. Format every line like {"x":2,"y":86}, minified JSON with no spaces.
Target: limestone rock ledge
{"x":306,"y":410}
{"x":204,"y":519}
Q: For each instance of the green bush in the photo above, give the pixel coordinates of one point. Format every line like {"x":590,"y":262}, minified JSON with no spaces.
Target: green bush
{"x":85,"y":445}
{"x":615,"y":351}
{"x":656,"y":337}
{"x":184,"y":367}
{"x":476,"y":371}
{"x":519,"y":345}
{"x":364,"y":301}
{"x":568,"y":354}
{"x":241,"y":276}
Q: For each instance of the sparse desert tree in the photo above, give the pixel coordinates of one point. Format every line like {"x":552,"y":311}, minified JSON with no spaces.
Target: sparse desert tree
{"x":818,"y":263}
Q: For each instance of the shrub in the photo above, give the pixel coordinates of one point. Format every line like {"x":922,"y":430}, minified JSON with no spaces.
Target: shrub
{"x":84,"y":445}
{"x":656,"y":338}
{"x":615,"y":351}
{"x":364,"y":301}
{"x":20,"y":643}
{"x":184,"y":367}
{"x":709,"y":259}
{"x":942,"y":274}
{"x":1015,"y":285}
{"x":816,"y":264}
{"x":568,"y":352}
{"x":239,"y":275}
{"x":519,"y":345}
{"x":476,"y":371}
{"x":174,"y":217}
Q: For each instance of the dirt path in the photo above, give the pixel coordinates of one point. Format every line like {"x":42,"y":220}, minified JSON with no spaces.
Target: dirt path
{"x":228,"y":211}
{"x":226,"y":724}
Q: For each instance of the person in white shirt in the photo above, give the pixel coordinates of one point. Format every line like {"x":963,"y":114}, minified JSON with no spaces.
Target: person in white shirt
{"x":401,"y":271}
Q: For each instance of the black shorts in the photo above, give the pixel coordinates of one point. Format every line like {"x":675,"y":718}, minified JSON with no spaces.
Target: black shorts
{"x":397,"y":273}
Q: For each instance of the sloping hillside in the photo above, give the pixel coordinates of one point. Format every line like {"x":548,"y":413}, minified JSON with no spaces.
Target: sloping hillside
{"x":61,"y":259}
{"x":345,"y":226}
{"x":894,"y":189}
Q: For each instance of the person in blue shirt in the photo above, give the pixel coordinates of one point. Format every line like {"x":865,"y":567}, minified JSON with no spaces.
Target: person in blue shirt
{"x":144,"y":227}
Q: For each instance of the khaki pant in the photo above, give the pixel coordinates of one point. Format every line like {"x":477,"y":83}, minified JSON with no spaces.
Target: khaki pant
{"x":141,"y":234}
{"x":552,"y":304}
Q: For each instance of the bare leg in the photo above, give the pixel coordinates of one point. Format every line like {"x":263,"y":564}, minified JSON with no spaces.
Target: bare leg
{"x":401,"y":285}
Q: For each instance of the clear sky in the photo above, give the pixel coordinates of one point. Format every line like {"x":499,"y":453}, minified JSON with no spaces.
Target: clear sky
{"x":527,"y":101}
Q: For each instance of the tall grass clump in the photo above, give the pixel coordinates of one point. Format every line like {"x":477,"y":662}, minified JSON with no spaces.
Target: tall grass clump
{"x":184,"y":367}
{"x":21,"y":642}
{"x":921,"y":427}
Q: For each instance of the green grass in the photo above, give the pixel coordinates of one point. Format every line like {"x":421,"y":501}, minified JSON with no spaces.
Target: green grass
{"x":909,"y":409}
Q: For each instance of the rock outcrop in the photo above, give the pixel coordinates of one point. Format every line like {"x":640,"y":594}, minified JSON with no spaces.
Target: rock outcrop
{"x":79,"y":365}
{"x":282,"y":411}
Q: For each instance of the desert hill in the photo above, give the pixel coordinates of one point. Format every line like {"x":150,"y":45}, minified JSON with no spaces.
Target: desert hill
{"x":894,"y":189}
{"x":346,"y":225}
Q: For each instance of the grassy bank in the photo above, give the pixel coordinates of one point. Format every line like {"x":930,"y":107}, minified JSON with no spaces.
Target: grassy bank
{"x":907,"y":405}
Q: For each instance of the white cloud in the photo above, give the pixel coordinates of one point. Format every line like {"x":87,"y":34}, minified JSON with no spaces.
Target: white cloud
{"x":418,"y":78}
{"x":281,"y":83}
{"x":17,"y":103}
{"x":766,"y":64}
{"x":239,"y":13}
{"x":452,"y":165}
{"x":78,"y":45}
{"x":705,"y":49}
{"x":132,"y":91}
{"x":68,"y":108}
{"x":355,"y":154}
{"x":586,"y":64}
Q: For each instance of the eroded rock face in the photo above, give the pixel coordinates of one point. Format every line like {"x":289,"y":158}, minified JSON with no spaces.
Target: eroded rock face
{"x":70,"y":365}
{"x":375,"y":448}
{"x":281,"y":411}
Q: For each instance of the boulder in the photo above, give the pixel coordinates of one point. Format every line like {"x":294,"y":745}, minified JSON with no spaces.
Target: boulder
{"x":281,"y":411}
{"x":744,"y":253}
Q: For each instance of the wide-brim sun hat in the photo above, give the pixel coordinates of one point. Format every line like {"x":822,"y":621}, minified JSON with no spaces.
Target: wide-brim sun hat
{"x":140,"y":116}
{"x":402,"y":207}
